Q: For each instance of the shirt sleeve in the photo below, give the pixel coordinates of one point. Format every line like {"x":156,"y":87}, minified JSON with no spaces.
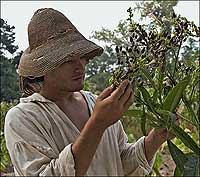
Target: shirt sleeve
{"x":31,"y":155}
{"x":133,"y":155}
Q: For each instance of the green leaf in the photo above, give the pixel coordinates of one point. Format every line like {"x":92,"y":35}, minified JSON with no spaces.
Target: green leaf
{"x":194,"y":118}
{"x":168,"y":116}
{"x":178,"y":172}
{"x":145,"y":94}
{"x":191,"y":167}
{"x":178,"y":156}
{"x":155,"y":96}
{"x":138,"y":114}
{"x":134,"y":113}
{"x":186,"y":139}
{"x":158,"y":160}
{"x":173,"y":98}
{"x":148,"y":76}
{"x":147,"y":98}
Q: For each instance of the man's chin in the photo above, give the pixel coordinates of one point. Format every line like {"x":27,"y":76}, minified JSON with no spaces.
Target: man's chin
{"x":78,"y":88}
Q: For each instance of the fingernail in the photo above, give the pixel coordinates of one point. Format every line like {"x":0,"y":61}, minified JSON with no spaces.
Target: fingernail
{"x":113,"y":87}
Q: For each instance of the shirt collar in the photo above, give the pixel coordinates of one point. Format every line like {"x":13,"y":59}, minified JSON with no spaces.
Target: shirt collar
{"x":36,"y":97}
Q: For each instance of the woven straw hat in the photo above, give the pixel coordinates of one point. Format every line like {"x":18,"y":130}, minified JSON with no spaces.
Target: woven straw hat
{"x":53,"y":39}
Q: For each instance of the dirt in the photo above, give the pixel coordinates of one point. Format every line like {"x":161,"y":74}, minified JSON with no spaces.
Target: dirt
{"x":168,"y":166}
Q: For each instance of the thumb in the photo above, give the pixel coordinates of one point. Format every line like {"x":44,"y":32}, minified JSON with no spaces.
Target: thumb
{"x":106,"y":93}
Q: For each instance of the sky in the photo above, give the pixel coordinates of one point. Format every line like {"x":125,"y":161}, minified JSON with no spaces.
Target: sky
{"x":87,"y":16}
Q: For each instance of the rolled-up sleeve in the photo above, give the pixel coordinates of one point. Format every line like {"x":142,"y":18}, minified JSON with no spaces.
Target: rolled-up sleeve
{"x":30,"y":153}
{"x":30,"y":161}
{"x":133,"y":155}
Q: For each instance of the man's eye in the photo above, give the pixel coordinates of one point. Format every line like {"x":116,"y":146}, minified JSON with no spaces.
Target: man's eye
{"x":87,"y":60}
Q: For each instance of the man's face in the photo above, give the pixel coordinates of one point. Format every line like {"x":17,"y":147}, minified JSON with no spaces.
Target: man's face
{"x":69,"y":76}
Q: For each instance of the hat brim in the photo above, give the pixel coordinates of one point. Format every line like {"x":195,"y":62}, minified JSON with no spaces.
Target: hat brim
{"x":55,"y":52}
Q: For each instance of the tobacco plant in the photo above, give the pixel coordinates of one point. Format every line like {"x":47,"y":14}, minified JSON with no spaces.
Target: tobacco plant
{"x":163,"y":82}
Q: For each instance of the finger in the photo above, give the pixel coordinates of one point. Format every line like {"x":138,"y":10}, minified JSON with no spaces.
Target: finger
{"x":120,"y":90}
{"x":126,"y":95}
{"x":105,"y":93}
{"x":129,"y":102}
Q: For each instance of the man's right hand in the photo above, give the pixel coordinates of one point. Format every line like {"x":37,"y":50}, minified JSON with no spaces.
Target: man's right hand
{"x":111,"y":104}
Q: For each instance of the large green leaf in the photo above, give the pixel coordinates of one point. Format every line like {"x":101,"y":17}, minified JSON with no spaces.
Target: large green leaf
{"x":167,"y":116}
{"x":173,"y":98}
{"x":145,"y":94}
{"x":194,"y":118}
{"x":147,"y":98}
{"x":134,"y":113}
{"x":186,"y":139}
{"x":148,"y":76}
{"x":178,"y":156}
{"x":178,"y":172}
{"x":153,"y":121}
{"x":191,"y":167}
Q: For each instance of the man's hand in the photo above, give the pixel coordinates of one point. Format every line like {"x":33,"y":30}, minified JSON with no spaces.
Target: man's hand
{"x":156,"y":138}
{"x":111,"y":104}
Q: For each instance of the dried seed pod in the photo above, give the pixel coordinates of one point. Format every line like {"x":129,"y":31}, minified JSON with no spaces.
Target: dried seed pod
{"x":169,"y":37}
{"x":173,"y":15}
{"x":136,"y":70}
{"x":143,"y":43}
{"x":118,"y":62}
{"x":144,"y":33}
{"x":137,"y":51}
{"x":131,"y":39}
{"x":124,"y":52}
{"x":185,"y":25}
{"x":140,"y":27}
{"x":131,"y":60}
{"x":142,"y":56}
{"x":139,"y":39}
{"x":158,"y":45}
{"x":117,"y":49}
{"x":129,"y":49}
{"x":143,"y":50}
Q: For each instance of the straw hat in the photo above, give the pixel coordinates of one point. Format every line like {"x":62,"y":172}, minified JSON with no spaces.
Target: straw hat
{"x":53,"y":39}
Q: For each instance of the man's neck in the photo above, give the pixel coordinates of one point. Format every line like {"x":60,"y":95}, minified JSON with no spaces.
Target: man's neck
{"x":58,"y":97}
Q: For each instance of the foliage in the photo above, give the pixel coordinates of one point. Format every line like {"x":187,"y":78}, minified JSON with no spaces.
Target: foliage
{"x":150,"y":58}
{"x":161,"y":59}
{"x":9,"y":78}
{"x":99,"y":70}
{"x":4,"y":155}
{"x":7,"y":38}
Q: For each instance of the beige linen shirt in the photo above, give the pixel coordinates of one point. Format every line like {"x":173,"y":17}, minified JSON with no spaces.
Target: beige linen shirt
{"x":39,"y":137}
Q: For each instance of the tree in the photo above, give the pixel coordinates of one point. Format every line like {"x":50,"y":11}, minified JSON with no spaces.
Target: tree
{"x":99,"y":70}
{"x":9,"y":77}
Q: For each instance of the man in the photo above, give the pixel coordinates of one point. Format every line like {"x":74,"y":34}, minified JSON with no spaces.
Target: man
{"x":60,"y":130}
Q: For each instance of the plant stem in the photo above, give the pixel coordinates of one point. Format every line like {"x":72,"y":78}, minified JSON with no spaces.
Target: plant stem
{"x":192,"y":92}
{"x":195,"y":119}
{"x":177,"y":54}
